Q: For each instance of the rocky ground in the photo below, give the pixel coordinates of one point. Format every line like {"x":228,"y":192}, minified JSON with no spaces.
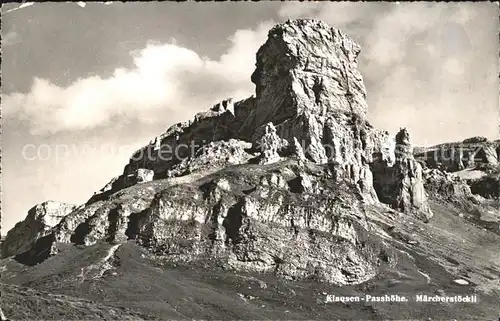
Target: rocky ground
{"x":290,"y":196}
{"x":430,"y":257}
{"x":23,"y":303}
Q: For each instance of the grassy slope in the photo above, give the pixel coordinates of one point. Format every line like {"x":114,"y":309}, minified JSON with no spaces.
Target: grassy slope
{"x":449,"y":247}
{"x":22,"y":303}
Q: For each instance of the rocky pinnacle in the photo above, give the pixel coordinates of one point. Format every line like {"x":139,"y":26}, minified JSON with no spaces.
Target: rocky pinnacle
{"x":278,"y":182}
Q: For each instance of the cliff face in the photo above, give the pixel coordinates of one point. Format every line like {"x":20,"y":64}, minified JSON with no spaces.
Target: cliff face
{"x":307,"y":87}
{"x":471,"y":153}
{"x":39,"y":222}
{"x":293,"y":182}
{"x":402,"y":184}
{"x":286,"y":182}
{"x":475,"y":159}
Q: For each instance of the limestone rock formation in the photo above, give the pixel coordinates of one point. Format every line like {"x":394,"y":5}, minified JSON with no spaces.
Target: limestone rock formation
{"x":270,"y":145}
{"x":471,"y":153}
{"x":446,"y":186}
{"x":183,"y":140}
{"x":487,"y":186}
{"x":384,"y":147}
{"x":256,"y":220}
{"x":491,"y":154}
{"x":402,"y":184}
{"x":476,"y":154}
{"x":38,"y":223}
{"x":241,"y":235}
{"x":297,"y":151}
{"x":214,"y":155}
{"x":109,"y":185}
{"x":308,"y":87}
{"x":276,"y":183}
{"x":290,"y":182}
{"x":140,"y":175}
{"x":307,"y":66}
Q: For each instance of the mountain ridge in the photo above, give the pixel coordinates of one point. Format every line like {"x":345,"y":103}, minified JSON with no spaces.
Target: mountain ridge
{"x":292,"y":183}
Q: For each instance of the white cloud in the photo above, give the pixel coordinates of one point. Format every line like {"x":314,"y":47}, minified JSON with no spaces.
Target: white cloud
{"x":239,"y":61}
{"x":415,"y":56}
{"x":166,"y":80}
{"x":454,"y":67}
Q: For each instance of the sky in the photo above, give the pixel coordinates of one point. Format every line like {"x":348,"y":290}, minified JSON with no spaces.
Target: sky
{"x":83,"y":87}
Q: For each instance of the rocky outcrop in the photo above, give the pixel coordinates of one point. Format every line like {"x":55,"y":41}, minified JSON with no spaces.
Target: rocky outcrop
{"x":140,"y":175}
{"x":283,"y":183}
{"x":39,"y":222}
{"x":296,"y":150}
{"x":384,"y":147}
{"x":473,"y":152}
{"x":270,"y":145}
{"x":277,"y":182}
{"x":306,"y":64}
{"x":214,"y":155}
{"x":487,"y":186}
{"x":265,"y":230}
{"x":445,"y":186}
{"x":401,"y":185}
{"x":110,"y":185}
{"x":298,"y":224}
{"x":307,"y":86}
{"x":182,"y":140}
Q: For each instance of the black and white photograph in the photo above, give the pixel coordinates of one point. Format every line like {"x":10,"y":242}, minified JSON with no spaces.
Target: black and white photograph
{"x":250,"y":160}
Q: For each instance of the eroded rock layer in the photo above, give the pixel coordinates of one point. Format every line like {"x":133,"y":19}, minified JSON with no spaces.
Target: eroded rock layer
{"x":308,"y":90}
{"x":401,"y":184}
{"x":277,"y":183}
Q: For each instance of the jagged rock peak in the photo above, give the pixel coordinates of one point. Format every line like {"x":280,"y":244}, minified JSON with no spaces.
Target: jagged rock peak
{"x":404,"y":148}
{"x":313,"y":34}
{"x":402,"y":184}
{"x":403,"y":137}
{"x":306,"y":65}
{"x":297,"y":150}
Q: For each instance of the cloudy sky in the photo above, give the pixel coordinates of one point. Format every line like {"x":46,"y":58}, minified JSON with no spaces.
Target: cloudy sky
{"x":83,"y":87}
